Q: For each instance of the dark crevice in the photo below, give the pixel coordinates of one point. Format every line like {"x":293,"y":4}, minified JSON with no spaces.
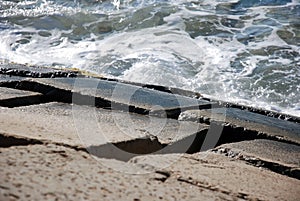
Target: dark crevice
{"x":231,"y":133}
{"x":165,"y":175}
{"x":52,"y":94}
{"x":74,"y":147}
{"x":174,"y":113}
{"x":191,"y":144}
{"x":210,"y":187}
{"x":24,"y":101}
{"x":9,"y":141}
{"x":126,"y":150}
{"x":257,"y":162}
{"x":223,"y":134}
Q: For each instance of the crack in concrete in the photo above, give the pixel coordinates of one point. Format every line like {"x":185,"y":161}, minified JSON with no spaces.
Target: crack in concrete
{"x":229,"y":134}
{"x":207,"y":186}
{"x":232,"y":133}
{"x":52,"y":94}
{"x":165,"y":175}
{"x":258,"y":162}
{"x":24,"y":101}
{"x":9,"y":141}
{"x":126,"y":150}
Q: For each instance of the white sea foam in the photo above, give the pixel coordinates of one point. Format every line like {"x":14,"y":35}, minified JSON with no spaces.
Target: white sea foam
{"x":261,"y":71}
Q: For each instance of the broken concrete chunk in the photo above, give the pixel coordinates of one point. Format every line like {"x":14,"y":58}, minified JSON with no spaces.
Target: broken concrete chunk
{"x":99,"y":130}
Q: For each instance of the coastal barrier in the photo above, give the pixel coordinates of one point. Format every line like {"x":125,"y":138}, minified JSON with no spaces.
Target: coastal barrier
{"x":66,"y":135}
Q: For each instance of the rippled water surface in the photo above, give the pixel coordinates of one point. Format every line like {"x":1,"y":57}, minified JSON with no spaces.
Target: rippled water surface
{"x":237,"y":50}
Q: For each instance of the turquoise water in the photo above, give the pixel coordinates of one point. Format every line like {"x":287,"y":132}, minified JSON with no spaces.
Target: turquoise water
{"x":241,"y":51}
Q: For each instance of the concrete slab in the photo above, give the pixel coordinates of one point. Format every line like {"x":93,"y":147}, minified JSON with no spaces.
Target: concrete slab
{"x":220,"y":174}
{"x":267,"y":150}
{"x":130,"y":96}
{"x":248,"y":120}
{"x":85,"y":126}
{"x":44,"y":172}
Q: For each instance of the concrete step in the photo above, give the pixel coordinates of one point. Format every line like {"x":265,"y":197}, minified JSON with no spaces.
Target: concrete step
{"x":241,"y":120}
{"x":279,"y":157}
{"x":105,"y":133}
{"x":114,"y":95}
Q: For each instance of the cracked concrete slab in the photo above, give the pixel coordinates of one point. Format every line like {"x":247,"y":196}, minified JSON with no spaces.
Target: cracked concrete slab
{"x":68,"y":152}
{"x":85,"y":126}
{"x":51,"y":172}
{"x":238,"y":118}
{"x":218,"y":173}
{"x":278,"y":157}
{"x":121,"y":93}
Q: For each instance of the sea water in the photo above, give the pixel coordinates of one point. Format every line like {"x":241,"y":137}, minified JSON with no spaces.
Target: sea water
{"x":241,"y":51}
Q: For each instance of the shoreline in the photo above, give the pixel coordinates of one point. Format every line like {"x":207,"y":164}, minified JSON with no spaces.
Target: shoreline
{"x":68,"y":136}
{"x":31,"y":71}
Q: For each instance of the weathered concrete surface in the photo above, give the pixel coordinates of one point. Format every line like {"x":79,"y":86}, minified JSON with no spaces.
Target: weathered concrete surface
{"x":237,"y":118}
{"x":279,"y":157}
{"x":112,"y":94}
{"x":213,"y":171}
{"x":40,"y":125}
{"x":84,"y":126}
{"x":50,"y":172}
{"x":268,"y":150}
{"x":19,"y":71}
